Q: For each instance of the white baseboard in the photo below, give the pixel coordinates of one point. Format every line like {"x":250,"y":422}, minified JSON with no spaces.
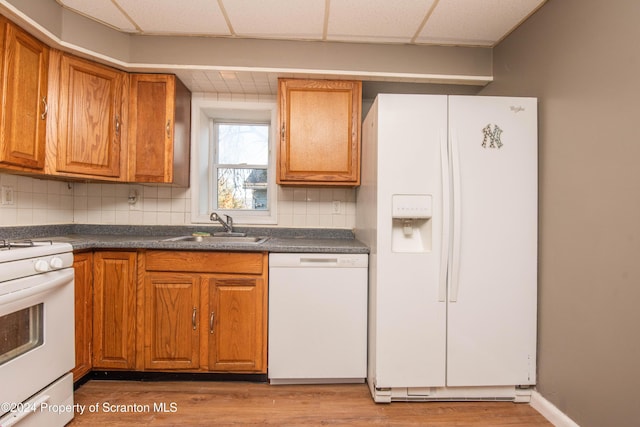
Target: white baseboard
{"x":550,"y":412}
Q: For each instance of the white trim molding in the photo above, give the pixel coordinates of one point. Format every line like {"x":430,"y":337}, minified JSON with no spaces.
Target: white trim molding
{"x":550,"y":411}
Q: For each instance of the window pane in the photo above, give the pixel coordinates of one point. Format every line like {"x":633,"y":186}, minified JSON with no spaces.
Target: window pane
{"x":242,"y":188}
{"x":243,"y":144}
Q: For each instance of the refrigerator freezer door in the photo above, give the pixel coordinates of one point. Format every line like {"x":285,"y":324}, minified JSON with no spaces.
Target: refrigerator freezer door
{"x":408,"y":321}
{"x":492,"y":306}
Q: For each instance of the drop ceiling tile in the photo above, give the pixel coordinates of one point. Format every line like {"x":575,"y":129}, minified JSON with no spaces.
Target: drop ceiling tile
{"x":101,"y":10}
{"x":248,"y":88}
{"x":277,"y":19}
{"x":234,"y":88}
{"x":214,"y":76}
{"x":473,"y":22}
{"x":193,"y":17}
{"x":197,"y":87}
{"x":376,"y":20}
{"x":260,"y":78}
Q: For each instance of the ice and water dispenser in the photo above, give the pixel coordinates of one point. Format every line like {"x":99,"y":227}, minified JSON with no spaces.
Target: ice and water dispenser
{"x":411,"y":223}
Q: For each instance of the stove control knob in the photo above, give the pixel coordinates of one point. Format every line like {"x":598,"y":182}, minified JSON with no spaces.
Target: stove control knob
{"x":41,"y":266}
{"x":56,"y":262}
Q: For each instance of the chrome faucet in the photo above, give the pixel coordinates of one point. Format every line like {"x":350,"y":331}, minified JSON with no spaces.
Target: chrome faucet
{"x":228,"y":225}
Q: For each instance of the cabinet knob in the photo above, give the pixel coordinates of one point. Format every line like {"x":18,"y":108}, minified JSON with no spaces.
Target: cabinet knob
{"x":169,"y":129}
{"x":194,"y":316}
{"x":212,"y":318}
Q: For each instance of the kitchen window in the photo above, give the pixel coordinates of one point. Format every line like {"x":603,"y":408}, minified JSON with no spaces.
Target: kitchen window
{"x":233,"y":163}
{"x":240,"y":165}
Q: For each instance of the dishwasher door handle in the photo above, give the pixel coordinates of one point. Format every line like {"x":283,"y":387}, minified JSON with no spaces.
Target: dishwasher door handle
{"x":318,"y":261}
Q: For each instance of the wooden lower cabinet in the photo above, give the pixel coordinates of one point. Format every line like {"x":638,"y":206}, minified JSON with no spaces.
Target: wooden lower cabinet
{"x":189,"y":311}
{"x":212,"y":318}
{"x":114,"y":310}
{"x":171,"y":310}
{"x":237,"y":332}
{"x":83,"y":285}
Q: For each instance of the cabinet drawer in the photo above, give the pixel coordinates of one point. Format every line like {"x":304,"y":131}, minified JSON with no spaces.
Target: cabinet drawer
{"x":205,"y":262}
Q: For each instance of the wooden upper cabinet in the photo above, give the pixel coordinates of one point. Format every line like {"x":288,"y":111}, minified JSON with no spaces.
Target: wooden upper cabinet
{"x":24,"y":64}
{"x":319,"y":132}
{"x":159,"y":129}
{"x":89,"y":119}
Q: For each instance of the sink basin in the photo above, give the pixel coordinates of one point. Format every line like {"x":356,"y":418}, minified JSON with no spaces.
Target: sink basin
{"x":218,"y":239}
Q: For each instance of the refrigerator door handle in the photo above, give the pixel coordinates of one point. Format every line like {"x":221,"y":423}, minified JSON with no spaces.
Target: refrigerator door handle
{"x":456,"y":243}
{"x":446,"y":212}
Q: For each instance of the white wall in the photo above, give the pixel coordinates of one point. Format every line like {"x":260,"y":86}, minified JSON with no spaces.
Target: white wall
{"x":40,"y":202}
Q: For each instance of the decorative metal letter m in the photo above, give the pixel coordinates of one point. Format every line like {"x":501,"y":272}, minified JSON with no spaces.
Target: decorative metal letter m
{"x":491,"y":134}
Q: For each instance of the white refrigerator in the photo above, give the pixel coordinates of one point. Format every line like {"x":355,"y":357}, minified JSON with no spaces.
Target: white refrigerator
{"x":448,"y":206}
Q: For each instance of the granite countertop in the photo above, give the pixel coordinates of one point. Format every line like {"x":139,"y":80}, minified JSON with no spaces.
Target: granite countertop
{"x":85,"y":236}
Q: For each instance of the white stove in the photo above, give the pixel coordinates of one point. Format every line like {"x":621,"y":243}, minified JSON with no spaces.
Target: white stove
{"x":36,"y":333}
{"x":22,"y":258}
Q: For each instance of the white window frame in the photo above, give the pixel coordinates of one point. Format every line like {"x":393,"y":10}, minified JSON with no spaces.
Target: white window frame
{"x":204,"y":112}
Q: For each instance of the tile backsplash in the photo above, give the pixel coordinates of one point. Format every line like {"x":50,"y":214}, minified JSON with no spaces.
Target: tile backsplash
{"x":30,"y":201}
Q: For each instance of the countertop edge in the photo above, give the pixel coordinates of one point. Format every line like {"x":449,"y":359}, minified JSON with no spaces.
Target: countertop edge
{"x":273,"y":245}
{"x":84,"y":237}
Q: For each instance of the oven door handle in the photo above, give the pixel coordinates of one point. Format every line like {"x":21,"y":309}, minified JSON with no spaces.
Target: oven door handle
{"x":50,"y":284}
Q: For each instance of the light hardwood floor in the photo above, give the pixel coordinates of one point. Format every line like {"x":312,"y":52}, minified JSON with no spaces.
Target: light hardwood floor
{"x":253,"y":404}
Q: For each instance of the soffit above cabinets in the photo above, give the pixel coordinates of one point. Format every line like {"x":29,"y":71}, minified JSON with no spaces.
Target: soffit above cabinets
{"x":397,"y":24}
{"x":435,"y":22}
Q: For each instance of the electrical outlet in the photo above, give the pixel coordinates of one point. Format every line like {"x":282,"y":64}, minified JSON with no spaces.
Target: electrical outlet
{"x":336,"y":207}
{"x":134,"y":201}
{"x":8,"y":197}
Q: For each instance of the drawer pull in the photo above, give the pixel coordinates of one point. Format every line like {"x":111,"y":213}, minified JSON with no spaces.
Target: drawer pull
{"x":117,"y":125}
{"x":194,"y":316}
{"x":45,"y":107}
{"x":212,"y":318}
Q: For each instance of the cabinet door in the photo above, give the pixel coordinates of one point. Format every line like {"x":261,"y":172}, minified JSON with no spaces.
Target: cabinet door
{"x":114,"y":310}
{"x":319,"y":132}
{"x":83,"y":284}
{"x":172,"y":303}
{"x":90,"y":119}
{"x":237,"y":324}
{"x":160,"y":114}
{"x":24,"y":67}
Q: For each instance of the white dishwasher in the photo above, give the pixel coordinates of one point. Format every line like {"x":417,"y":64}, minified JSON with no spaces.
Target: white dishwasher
{"x":317,"y":318}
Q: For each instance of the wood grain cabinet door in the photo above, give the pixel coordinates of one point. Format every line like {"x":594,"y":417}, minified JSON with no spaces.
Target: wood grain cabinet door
{"x":90,"y":119}
{"x":172,"y":321}
{"x":237,"y":329}
{"x":83,"y":285}
{"x":24,"y":64}
{"x":114,"y":310}
{"x":159,"y":126}
{"x":319,"y":132}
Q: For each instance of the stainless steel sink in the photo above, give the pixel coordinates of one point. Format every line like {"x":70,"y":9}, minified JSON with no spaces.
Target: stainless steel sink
{"x":218,"y":239}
